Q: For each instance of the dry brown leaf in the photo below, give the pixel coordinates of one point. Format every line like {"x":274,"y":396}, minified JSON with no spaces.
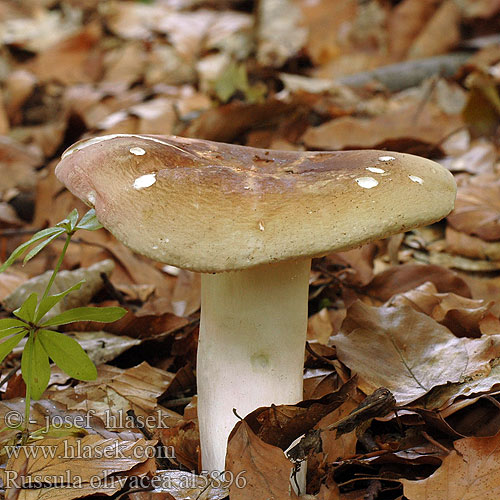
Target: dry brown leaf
{"x":470,"y":471}
{"x":17,"y":164}
{"x":471,"y":246}
{"x":8,"y":216}
{"x":359,"y":260}
{"x":125,"y":65}
{"x":324,"y":20}
{"x":186,"y":297}
{"x":138,"y":268}
{"x":71,"y":60}
{"x":486,"y":288}
{"x":64,"y":280}
{"x":4,"y":119}
{"x":265,"y":468}
{"x":279,"y":33}
{"x":440,"y":34}
{"x":115,"y":392}
{"x":342,"y":447}
{"x":427,"y":124}
{"x":399,"y":279}
{"x":40,"y":31}
{"x":461,"y":315}
{"x":132,"y":20}
{"x":413,"y":353}
{"x":479,"y":158}
{"x":328,"y":493}
{"x":317,"y":386}
{"x":477,"y":208}
{"x":281,"y":425}
{"x":480,"y":8}
{"x":186,"y":31}
{"x":143,"y":326}
{"x":184,"y":437}
{"x":443,"y":397}
{"x":181,"y":485}
{"x":319,"y":327}
{"x":227,"y":122}
{"x":157,"y":116}
{"x":405,"y":22}
{"x":84,"y":462}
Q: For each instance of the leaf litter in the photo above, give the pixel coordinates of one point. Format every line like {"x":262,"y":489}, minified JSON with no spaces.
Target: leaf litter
{"x":425,"y":307}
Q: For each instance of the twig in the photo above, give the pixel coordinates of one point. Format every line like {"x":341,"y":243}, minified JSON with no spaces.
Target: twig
{"x":9,"y":376}
{"x":435,"y":443}
{"x":368,"y":478}
{"x":311,"y":351}
{"x":176,"y":403}
{"x":408,"y":74}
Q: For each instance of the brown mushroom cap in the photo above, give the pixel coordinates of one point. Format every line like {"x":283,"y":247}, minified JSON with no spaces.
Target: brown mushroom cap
{"x":212,"y":207}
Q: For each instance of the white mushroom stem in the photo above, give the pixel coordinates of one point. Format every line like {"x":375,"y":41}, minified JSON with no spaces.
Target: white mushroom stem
{"x":251,"y":347}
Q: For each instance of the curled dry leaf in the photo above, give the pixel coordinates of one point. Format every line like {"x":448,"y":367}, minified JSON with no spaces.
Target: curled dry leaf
{"x":444,"y":396}
{"x":461,"y":315}
{"x":480,"y":158}
{"x":460,"y":243}
{"x":477,"y":208}
{"x":281,"y":425}
{"x":399,"y":279}
{"x":359,"y":260}
{"x":264,"y":468}
{"x":470,"y":471}
{"x":427,"y":124}
{"x":413,"y":352}
{"x":115,"y":392}
{"x":184,"y":437}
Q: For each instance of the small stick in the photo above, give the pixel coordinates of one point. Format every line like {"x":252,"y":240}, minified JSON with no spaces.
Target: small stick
{"x":435,"y":443}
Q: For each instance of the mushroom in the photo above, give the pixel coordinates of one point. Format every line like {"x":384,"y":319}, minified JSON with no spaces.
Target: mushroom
{"x":250,"y":220}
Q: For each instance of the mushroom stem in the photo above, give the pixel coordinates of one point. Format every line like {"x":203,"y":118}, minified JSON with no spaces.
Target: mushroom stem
{"x":251,"y":347}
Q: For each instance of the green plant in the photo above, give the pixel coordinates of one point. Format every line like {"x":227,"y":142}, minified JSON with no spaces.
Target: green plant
{"x":44,"y":343}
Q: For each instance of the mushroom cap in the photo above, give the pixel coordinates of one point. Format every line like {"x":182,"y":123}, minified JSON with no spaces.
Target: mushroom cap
{"x":212,"y":207}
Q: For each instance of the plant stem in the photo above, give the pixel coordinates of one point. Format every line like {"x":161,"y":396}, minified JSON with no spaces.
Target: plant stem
{"x":27,"y":408}
{"x":58,"y":266}
{"x":27,"y":400}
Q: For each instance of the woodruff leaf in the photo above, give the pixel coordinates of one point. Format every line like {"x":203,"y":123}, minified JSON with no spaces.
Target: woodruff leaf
{"x":73,"y":218}
{"x":100,"y":314}
{"x":40,"y":371}
{"x":11,"y":331}
{"x":68,"y":355}
{"x":27,"y":311}
{"x":49,"y":302}
{"x":69,"y":223}
{"x":9,"y":344}
{"x":10,"y":322}
{"x":27,"y":362}
{"x":89,"y":221}
{"x":36,"y":250}
{"x":23,"y":247}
